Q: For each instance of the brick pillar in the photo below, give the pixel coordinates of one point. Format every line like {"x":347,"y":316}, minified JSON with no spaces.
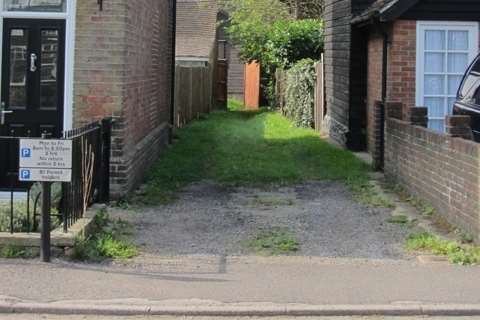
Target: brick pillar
{"x":418,"y":116}
{"x":378,"y":135}
{"x":395,"y":110}
{"x":459,"y":126}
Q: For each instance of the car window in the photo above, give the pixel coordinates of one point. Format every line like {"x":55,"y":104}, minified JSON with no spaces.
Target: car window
{"x":470,"y":90}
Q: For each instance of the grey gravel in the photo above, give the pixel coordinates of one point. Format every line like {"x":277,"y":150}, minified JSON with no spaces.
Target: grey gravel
{"x":324,"y":217}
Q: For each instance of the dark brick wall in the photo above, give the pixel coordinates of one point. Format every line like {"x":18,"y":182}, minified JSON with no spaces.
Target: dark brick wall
{"x":337,"y":16}
{"x":439,"y":168}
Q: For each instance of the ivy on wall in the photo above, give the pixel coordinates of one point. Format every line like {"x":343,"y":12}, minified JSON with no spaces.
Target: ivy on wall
{"x":300,"y":93}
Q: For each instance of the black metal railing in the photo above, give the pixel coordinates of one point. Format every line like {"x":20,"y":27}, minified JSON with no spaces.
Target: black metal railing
{"x":90,"y":170}
{"x":90,"y":180}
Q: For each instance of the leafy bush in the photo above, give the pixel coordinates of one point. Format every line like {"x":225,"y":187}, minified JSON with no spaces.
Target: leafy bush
{"x":108,"y":240}
{"x":265,"y":32}
{"x":19,"y":216}
{"x":300,"y":93}
{"x":290,"y":41}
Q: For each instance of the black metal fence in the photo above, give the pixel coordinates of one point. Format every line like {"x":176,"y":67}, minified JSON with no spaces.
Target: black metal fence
{"x":19,"y":207}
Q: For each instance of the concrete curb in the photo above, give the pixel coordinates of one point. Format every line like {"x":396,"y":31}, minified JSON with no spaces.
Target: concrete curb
{"x":238,"y":310}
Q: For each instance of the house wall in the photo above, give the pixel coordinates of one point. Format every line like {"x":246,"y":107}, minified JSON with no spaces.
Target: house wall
{"x":99,"y":61}
{"x":337,"y":17}
{"x":236,"y":74}
{"x":438,"y":168}
{"x":123,"y":68}
{"x":374,"y":84}
{"x":401,"y":79}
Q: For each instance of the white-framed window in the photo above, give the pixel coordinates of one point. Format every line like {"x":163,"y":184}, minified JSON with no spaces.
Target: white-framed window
{"x":444,"y":52}
{"x":35,"y":5}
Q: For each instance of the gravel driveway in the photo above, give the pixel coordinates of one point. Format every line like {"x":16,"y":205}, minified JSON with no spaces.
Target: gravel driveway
{"x":323,"y":216}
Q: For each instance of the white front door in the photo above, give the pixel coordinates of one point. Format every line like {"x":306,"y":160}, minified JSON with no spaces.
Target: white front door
{"x":444,"y":52}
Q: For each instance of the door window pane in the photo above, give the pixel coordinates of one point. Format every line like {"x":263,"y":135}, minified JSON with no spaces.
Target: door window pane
{"x":436,"y":107}
{"x":451,"y":102}
{"x":35,"y":5}
{"x":458,"y":40}
{"x":18,"y":68}
{"x":49,"y":69}
{"x":437,"y":125}
{"x":457,"y":62}
{"x":453,"y":85}
{"x":434,"y":62}
{"x":435,"y":40}
{"x":434,"y":85}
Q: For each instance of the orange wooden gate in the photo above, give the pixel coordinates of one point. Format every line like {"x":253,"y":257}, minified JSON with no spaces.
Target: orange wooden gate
{"x":252,"y":86}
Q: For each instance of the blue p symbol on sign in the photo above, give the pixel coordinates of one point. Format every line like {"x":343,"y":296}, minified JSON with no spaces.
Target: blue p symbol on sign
{"x":25,"y":175}
{"x":26,"y":153}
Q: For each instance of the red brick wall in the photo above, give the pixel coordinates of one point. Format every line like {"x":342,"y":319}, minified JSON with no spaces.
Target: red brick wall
{"x":438,"y":168}
{"x":401,"y":76}
{"x":123,"y":68}
{"x":374,"y":78}
{"x":401,"y":85}
{"x":99,"y":61}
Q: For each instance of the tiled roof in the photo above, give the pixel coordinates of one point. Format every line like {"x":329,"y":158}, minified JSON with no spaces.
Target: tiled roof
{"x":196,"y":28}
{"x":374,"y":9}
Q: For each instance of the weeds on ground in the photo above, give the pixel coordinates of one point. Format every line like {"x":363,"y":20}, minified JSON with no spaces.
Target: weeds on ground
{"x":404,"y":220}
{"x":108,"y":241}
{"x":398,"y":219}
{"x":455,"y":252}
{"x":247,"y":148}
{"x":274,"y":242}
{"x":259,"y":201}
{"x":425,"y":209}
{"x":365,"y":193}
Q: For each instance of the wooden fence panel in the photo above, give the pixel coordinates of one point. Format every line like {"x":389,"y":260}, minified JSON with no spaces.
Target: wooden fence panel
{"x":193,"y":94}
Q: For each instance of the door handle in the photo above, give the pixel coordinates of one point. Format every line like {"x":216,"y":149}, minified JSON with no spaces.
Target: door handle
{"x":3,"y":112}
{"x":33,"y":62}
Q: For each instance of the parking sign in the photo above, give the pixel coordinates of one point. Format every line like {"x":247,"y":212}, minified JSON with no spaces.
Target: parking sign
{"x":43,"y":160}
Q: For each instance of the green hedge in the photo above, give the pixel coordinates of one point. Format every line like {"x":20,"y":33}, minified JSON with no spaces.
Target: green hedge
{"x":300,"y":93}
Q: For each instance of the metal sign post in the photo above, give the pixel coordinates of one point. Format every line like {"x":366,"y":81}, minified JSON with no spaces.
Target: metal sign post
{"x":46,"y":221}
{"x":46,"y":161}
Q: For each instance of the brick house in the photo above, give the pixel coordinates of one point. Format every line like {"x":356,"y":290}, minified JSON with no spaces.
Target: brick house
{"x":392,"y":70}
{"x":68,"y":62}
{"x":196,"y":43}
{"x":409,"y":51}
{"x":197,"y":48}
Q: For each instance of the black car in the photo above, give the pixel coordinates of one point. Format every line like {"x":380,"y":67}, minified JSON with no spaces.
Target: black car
{"x":468,"y":97}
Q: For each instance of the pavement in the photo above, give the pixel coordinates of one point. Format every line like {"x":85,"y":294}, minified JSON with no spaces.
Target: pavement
{"x":241,"y":286}
{"x":86,"y":317}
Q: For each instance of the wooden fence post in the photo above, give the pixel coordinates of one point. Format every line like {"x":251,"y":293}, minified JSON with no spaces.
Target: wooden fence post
{"x":319,"y":112}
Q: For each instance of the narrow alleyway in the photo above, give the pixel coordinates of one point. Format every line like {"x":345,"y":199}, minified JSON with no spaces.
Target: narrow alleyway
{"x":236,"y":177}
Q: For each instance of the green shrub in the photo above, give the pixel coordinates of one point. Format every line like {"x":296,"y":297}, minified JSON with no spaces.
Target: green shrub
{"x":300,"y":93}
{"x":108,"y":240}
